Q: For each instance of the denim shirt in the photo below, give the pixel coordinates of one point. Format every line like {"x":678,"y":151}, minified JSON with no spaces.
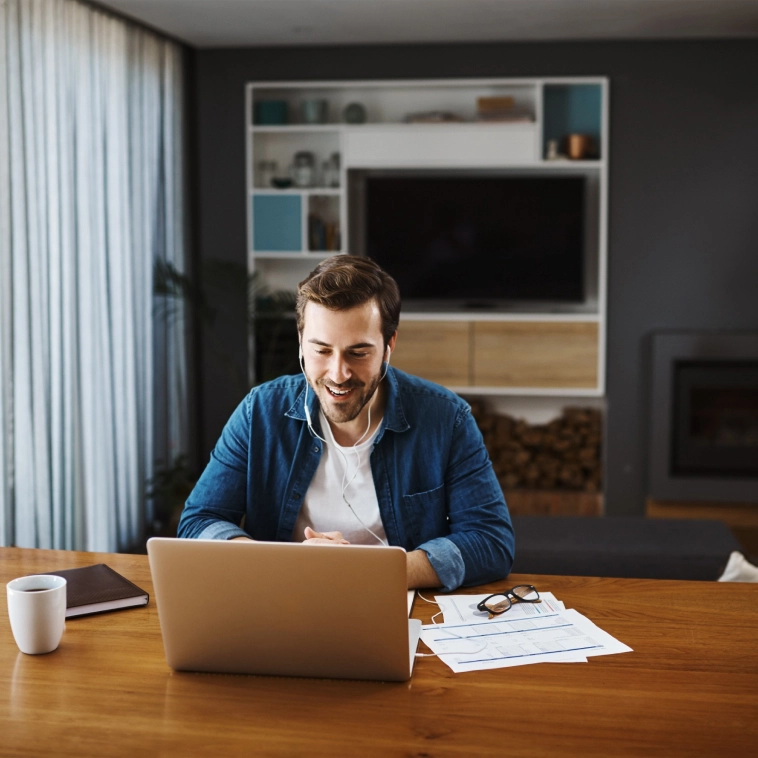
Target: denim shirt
{"x":434,"y":481}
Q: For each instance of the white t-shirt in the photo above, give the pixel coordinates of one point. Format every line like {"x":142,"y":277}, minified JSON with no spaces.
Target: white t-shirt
{"x":324,"y":509}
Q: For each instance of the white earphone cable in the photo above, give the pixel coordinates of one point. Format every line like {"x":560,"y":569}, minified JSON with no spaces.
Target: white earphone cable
{"x":345,"y":485}
{"x":446,"y":631}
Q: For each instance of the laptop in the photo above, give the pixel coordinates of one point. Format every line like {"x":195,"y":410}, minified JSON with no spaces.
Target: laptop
{"x":283,"y":608}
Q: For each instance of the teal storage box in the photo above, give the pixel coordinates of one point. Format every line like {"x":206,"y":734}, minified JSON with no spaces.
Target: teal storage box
{"x":270,"y":112}
{"x":277,"y":225}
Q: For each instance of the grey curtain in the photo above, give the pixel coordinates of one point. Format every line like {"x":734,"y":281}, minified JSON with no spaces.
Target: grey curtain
{"x":91,"y":195}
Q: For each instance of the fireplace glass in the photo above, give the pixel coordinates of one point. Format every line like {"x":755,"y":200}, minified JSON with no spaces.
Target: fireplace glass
{"x":715,"y":429}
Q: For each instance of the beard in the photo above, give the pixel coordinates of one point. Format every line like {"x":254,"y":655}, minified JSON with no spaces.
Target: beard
{"x":342,"y":411}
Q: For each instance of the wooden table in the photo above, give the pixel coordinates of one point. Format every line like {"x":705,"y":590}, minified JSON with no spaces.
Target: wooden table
{"x":689,"y":688}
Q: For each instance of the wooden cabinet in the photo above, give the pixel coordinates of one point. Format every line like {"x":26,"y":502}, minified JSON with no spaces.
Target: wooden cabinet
{"x":500,"y":355}
{"x":435,"y":350}
{"x":558,"y":355}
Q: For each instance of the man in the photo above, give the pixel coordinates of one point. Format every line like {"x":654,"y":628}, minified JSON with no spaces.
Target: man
{"x":353,"y":450}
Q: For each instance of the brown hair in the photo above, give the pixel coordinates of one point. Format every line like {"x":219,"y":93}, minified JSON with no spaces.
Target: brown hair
{"x":347,"y":281}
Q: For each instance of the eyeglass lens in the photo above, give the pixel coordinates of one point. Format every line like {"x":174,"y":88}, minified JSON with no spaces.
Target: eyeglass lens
{"x":526,"y":592}
{"x":497,"y":603}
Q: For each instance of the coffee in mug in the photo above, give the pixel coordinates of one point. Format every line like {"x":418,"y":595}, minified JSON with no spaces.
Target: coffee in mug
{"x":37,"y":612}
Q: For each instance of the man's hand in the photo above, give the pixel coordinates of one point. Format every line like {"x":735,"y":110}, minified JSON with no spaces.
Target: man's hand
{"x":312,"y":537}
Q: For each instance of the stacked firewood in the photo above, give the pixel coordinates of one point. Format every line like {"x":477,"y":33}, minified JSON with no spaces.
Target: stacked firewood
{"x":563,"y":454}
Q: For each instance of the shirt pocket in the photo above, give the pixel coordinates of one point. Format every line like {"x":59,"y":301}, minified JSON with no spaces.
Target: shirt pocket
{"x":426,"y":515}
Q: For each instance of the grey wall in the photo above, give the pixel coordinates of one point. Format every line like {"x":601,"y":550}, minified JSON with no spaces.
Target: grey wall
{"x":683,"y":193}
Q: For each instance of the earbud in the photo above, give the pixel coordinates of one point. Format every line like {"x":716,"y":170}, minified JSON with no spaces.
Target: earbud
{"x":387,"y":354}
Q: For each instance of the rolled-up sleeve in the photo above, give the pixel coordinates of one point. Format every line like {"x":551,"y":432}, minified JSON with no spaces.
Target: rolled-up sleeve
{"x":480,"y":546}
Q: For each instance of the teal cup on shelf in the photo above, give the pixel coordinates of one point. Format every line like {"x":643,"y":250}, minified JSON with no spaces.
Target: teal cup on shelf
{"x":315,"y":111}
{"x":270,"y":112}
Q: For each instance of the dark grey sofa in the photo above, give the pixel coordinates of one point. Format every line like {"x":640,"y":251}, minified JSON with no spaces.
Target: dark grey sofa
{"x":622,"y":547}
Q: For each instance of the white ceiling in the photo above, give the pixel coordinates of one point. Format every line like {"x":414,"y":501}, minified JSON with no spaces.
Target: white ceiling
{"x":248,"y":23}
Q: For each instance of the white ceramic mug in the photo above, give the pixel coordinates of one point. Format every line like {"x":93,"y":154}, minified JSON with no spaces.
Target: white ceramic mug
{"x":37,"y":612}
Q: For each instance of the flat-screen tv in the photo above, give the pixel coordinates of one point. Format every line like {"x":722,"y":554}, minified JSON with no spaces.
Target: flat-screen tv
{"x":483,"y":241}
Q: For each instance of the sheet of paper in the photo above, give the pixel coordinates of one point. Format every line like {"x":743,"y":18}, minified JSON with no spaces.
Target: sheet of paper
{"x":458,"y":609}
{"x":502,"y":643}
{"x":461,"y":608}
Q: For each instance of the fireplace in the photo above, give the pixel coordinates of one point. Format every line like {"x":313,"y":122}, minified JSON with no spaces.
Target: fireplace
{"x":704,"y":422}
{"x":715,"y":419}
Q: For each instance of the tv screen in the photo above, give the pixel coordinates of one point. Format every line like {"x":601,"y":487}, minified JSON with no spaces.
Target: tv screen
{"x":478,"y":241}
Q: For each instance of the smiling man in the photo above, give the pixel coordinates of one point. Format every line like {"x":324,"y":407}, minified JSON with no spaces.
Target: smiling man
{"x":354,"y":451}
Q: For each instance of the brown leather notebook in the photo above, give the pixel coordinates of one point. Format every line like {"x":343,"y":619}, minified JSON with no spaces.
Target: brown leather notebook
{"x":93,"y":589}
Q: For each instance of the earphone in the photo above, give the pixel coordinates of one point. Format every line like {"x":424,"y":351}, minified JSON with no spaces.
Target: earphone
{"x":345,"y":485}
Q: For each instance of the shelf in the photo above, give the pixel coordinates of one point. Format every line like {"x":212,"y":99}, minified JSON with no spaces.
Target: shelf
{"x":314,"y":255}
{"x":564,"y":316}
{"x":571,"y":165}
{"x":342,"y":127}
{"x":293,"y":128}
{"x":302,"y":192}
{"x":557,"y":392}
{"x":391,"y":101}
{"x":573,"y":109}
{"x":284,"y":223}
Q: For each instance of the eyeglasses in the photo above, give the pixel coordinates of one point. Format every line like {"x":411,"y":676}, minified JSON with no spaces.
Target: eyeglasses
{"x":500,"y":602}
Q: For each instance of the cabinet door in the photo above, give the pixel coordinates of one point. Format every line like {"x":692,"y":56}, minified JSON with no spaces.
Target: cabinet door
{"x":535,"y":354}
{"x":441,"y":146}
{"x":434,"y":350}
{"x":277,"y":223}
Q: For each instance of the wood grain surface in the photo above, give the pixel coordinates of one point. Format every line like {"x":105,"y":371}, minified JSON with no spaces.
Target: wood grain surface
{"x":435,"y":350}
{"x":690,"y":687}
{"x":535,"y":354}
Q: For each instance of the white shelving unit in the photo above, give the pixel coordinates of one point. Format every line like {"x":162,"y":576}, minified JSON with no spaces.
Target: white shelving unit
{"x":279,"y":247}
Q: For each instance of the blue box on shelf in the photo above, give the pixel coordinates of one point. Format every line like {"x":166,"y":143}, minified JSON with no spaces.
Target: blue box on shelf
{"x":270,"y":112}
{"x":277,"y":225}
